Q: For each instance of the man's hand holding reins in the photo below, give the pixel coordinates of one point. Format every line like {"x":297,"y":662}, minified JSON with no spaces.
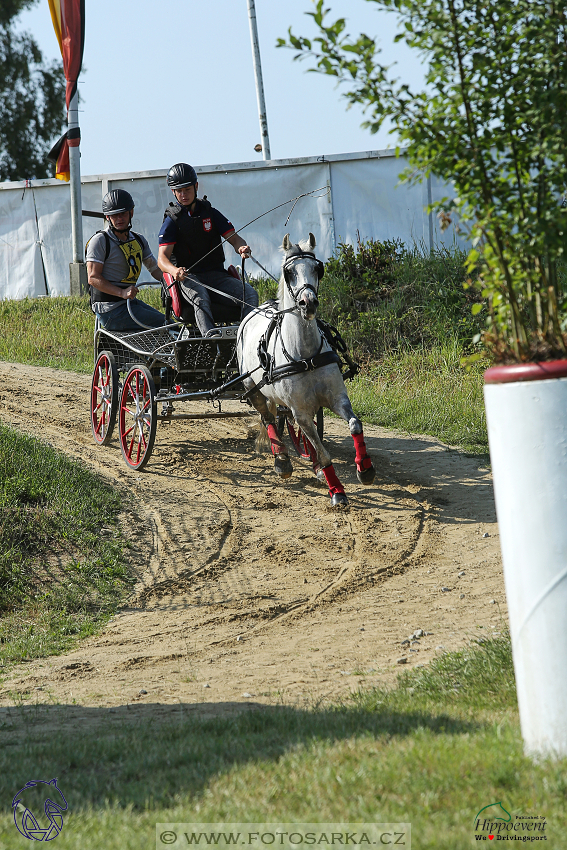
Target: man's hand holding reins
{"x":130,"y":292}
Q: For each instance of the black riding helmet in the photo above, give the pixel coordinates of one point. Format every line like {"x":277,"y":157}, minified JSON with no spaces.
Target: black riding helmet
{"x":181,"y":175}
{"x":118,"y":201}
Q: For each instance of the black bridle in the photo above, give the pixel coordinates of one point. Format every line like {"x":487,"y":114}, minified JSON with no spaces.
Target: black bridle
{"x":288,"y":268}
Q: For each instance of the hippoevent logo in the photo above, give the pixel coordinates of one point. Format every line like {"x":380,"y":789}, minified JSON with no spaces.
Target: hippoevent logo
{"x":36,"y":794}
{"x":495,"y":823}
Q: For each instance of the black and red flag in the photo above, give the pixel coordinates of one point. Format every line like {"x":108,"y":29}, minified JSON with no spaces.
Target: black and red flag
{"x":68,"y":18}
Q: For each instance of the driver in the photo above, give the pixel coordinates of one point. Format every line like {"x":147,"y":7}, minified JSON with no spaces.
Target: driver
{"x":114,"y":262}
{"x":192,"y":234}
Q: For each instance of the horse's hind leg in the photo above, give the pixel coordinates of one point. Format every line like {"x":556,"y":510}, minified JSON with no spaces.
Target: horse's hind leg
{"x":282,"y":463}
{"x":336,"y":489}
{"x":365,"y":471}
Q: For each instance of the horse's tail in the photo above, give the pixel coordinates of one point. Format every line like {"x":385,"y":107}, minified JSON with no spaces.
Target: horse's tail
{"x":262,"y":442}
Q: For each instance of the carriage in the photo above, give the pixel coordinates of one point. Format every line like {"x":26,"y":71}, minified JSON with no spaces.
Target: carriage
{"x":139,"y":376}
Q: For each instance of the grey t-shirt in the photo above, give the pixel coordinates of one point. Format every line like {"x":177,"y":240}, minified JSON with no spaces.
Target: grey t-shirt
{"x":115,"y":268}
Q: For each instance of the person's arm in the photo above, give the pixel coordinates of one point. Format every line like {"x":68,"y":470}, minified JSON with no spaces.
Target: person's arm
{"x":151,"y":264}
{"x":239,"y":245}
{"x":94,"y":271}
{"x":165,"y":264}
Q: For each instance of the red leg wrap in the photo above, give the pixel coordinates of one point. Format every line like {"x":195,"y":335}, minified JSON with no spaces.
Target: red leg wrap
{"x":312,"y":453}
{"x":278,"y":448}
{"x":362,"y":459}
{"x":335,"y":485}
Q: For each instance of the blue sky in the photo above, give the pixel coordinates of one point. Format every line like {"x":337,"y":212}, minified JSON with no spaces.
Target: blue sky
{"x":174,"y":80}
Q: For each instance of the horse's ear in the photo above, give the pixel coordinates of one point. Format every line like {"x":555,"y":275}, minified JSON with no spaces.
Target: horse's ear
{"x":286,"y":244}
{"x":311,"y":241}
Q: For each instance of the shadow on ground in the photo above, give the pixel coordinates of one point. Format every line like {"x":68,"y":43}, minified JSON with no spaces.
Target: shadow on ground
{"x":138,"y":753}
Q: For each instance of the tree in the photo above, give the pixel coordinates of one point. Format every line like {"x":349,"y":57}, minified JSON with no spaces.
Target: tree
{"x":32,"y":100}
{"x":492,"y":120}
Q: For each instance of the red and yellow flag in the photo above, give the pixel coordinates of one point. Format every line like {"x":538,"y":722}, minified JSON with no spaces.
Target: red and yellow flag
{"x":68,"y":18}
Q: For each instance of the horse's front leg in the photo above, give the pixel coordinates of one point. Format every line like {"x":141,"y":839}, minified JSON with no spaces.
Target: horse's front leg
{"x":336,"y":489}
{"x":365,"y":471}
{"x":282,"y":463}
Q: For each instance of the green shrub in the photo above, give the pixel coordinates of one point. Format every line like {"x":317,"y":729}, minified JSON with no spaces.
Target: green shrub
{"x":384,"y":296}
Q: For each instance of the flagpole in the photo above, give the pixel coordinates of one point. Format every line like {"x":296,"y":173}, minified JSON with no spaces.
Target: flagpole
{"x":259,"y":82}
{"x":77,"y":269}
{"x":75,"y":179}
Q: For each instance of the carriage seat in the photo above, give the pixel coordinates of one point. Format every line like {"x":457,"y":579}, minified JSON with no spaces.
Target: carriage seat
{"x":176,"y":304}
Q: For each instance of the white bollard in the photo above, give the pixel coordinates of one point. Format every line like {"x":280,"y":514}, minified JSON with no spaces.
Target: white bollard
{"x":526,"y":411}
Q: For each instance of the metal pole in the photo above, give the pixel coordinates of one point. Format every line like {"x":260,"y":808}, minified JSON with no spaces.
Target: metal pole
{"x":259,"y":83}
{"x":75,"y":179}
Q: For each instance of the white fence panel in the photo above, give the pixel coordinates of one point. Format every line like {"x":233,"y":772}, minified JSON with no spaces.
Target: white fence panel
{"x":21,"y":269}
{"x":369,"y":199}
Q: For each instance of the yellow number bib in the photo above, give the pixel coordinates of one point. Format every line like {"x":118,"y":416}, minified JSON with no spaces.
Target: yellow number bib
{"x":133,"y":253}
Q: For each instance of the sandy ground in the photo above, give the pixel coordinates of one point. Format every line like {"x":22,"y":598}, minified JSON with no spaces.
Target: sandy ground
{"x":251,"y":590}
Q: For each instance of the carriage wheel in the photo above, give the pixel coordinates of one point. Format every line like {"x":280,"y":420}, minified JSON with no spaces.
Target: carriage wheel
{"x":104,"y":398}
{"x":137,"y":417}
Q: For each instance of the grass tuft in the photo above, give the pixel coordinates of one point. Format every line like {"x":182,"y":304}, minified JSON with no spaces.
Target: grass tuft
{"x":62,"y":568}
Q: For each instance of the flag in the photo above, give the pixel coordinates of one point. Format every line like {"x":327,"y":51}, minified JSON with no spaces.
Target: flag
{"x":68,"y":18}
{"x":59,"y":153}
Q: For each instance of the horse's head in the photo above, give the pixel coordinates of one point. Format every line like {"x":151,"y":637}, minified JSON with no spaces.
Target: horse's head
{"x":301,"y":273}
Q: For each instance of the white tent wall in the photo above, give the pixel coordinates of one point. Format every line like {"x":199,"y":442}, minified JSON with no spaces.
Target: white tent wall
{"x":369,"y":200}
{"x":21,"y":269}
{"x":53,"y":205}
{"x":452,"y":237}
{"x":359,"y":194}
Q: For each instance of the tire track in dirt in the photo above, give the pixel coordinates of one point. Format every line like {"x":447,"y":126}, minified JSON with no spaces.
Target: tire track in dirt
{"x":250,"y":585}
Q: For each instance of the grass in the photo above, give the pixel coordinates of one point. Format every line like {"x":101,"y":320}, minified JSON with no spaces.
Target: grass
{"x":425,"y":391}
{"x":62,"y":568}
{"x":54,"y":332}
{"x":433,"y":751}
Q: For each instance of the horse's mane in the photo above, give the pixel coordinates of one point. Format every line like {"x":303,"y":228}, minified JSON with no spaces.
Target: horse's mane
{"x":291,"y":252}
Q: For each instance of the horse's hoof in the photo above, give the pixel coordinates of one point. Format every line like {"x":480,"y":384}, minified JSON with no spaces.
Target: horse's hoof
{"x":366,"y":476}
{"x":339,"y":500}
{"x":321,"y":477}
{"x":283,"y":467}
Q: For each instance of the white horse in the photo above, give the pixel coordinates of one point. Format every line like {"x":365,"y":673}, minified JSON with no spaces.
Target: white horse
{"x":290,"y":363}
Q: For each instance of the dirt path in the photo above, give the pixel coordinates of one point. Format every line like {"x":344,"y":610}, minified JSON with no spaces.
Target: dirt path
{"x":254,"y":591}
